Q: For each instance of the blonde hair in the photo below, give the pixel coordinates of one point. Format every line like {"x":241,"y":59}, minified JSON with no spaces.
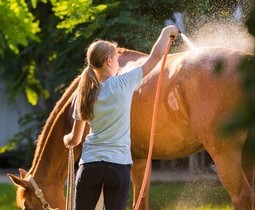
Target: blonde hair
{"x":89,"y":85}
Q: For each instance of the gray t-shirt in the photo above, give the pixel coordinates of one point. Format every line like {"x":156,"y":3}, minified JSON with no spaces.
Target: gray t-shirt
{"x":109,"y":136}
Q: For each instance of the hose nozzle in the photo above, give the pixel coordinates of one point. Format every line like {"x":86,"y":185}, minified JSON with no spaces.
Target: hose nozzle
{"x":173,"y":36}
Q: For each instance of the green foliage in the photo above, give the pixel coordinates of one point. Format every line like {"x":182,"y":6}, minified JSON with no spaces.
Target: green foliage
{"x":18,"y":25}
{"x":250,"y":22}
{"x":35,"y":2}
{"x":75,"y":12}
{"x":10,"y":146}
{"x":137,"y":24}
{"x":27,"y":81}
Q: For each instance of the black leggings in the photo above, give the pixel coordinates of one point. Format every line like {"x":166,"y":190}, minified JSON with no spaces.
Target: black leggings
{"x":91,"y":177}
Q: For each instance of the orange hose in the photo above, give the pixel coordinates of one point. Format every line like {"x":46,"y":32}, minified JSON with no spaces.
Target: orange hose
{"x":153,"y":126}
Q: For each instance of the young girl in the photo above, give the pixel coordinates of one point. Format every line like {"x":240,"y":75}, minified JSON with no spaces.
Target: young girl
{"x":104,"y":102}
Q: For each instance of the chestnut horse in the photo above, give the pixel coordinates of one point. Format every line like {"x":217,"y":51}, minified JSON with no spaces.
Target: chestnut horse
{"x":200,"y":90}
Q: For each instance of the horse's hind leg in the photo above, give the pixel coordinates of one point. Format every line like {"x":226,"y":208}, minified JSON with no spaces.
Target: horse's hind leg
{"x":249,"y":170}
{"x":226,"y":154}
{"x":248,"y":161}
{"x":138,"y":169}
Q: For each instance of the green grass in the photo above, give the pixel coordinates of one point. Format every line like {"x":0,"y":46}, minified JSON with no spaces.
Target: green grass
{"x":163,"y":196}
{"x":188,"y":196}
{"x":8,"y":197}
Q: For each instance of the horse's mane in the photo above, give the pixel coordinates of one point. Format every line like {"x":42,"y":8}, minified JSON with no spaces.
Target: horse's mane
{"x":62,"y":102}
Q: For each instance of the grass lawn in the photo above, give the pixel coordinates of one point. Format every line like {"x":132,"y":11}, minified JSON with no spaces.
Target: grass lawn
{"x":163,"y":196}
{"x":8,"y":197}
{"x":189,"y":196}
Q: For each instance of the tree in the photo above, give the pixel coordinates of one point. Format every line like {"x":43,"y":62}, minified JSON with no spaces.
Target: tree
{"x":18,"y":25}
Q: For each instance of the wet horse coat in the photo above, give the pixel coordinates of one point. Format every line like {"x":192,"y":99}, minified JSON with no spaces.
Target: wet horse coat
{"x":195,"y":99}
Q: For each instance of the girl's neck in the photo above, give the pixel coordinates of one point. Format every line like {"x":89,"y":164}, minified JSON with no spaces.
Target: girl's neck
{"x":103,"y":75}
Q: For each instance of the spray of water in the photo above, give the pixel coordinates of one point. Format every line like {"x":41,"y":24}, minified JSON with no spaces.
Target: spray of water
{"x":219,"y":23}
{"x":187,"y":41}
{"x":225,"y":34}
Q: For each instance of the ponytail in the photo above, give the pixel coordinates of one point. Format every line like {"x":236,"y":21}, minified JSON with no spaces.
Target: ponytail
{"x":89,"y":85}
{"x":88,"y":91}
